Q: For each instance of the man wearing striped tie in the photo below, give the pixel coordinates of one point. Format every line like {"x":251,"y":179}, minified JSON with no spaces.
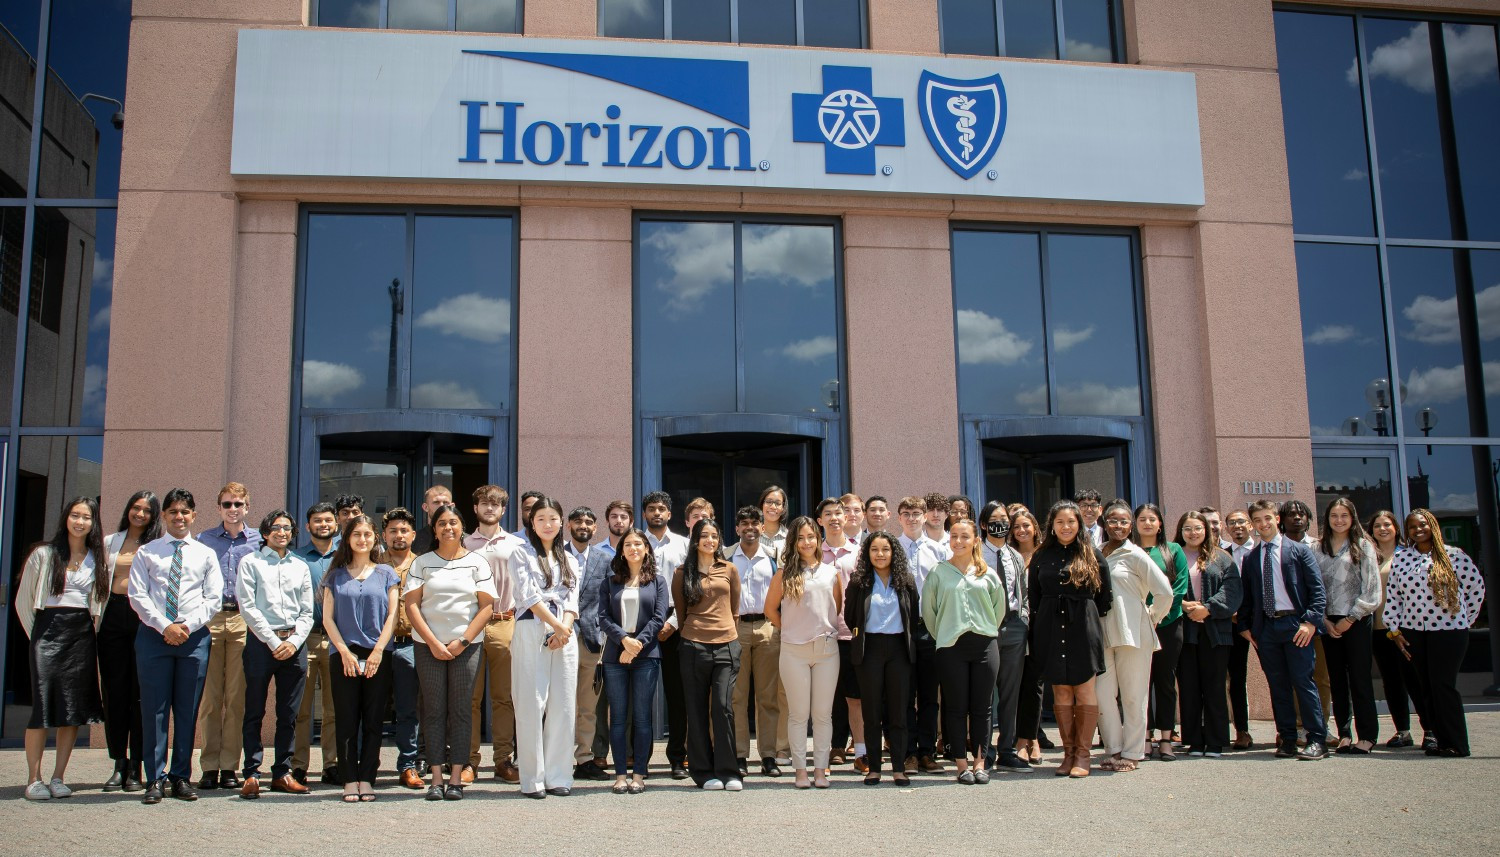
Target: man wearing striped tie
{"x":176,"y":588}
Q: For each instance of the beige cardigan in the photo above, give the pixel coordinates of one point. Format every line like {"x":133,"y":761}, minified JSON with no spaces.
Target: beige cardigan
{"x":1131,"y":622}
{"x":32,"y":596}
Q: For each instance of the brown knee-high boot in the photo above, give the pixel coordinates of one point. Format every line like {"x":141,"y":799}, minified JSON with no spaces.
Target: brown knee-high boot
{"x":1085,"y":721}
{"x":1064,"y":715}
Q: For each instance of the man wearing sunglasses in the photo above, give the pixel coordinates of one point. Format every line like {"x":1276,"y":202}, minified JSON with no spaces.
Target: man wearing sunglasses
{"x":221,"y":715}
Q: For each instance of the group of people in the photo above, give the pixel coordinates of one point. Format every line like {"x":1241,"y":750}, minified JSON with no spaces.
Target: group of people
{"x":902,"y":643}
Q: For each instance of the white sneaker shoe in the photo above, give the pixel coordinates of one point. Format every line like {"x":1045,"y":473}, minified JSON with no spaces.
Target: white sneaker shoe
{"x":715,"y":785}
{"x":38,"y":791}
{"x":734,"y":786}
{"x":784,"y":760}
{"x":59,"y":788}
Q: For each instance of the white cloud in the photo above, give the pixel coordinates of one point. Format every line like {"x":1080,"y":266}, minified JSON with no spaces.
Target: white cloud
{"x":982,"y":338}
{"x":1355,"y":175}
{"x":1435,"y":320}
{"x":811,"y":350}
{"x":100,"y":321}
{"x":799,"y":255}
{"x":696,"y":262}
{"x":1088,"y":52}
{"x":471,"y":316}
{"x":1064,"y":338}
{"x":94,"y":377}
{"x":104,"y":272}
{"x":1457,"y":503}
{"x":445,"y":394}
{"x":1408,"y":60}
{"x":1331,"y":334}
{"x":1326,"y":431}
{"x":322,"y":382}
{"x":1086,"y":398}
{"x":1442,"y":384}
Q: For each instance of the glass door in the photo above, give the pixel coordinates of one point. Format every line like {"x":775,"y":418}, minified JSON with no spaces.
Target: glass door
{"x":730,"y":471}
{"x":395,"y":468}
{"x":1039,"y":477}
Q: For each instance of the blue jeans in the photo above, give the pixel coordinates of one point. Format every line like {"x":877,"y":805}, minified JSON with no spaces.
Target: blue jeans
{"x":171,"y":683}
{"x":631,"y":689}
{"x":404,"y":674}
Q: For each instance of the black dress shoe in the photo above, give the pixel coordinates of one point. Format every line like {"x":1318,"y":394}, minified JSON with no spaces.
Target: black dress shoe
{"x":210,"y":780}
{"x":1313,"y":751}
{"x":1286,"y":750}
{"x":1429,"y":742}
{"x":1399,"y":740}
{"x":1043,"y":742}
{"x":744,"y":769}
{"x":769,"y":768}
{"x":331,"y":777}
{"x":116,"y":780}
{"x":1014,"y":763}
{"x":300,"y":775}
{"x":559,"y":791}
{"x":153,"y":793}
{"x":536,"y":795}
{"x":678,"y":771}
{"x":589,"y":771}
{"x":183,"y":790}
{"x":229,"y":780}
{"x":453,"y":793}
{"x":133,"y":777}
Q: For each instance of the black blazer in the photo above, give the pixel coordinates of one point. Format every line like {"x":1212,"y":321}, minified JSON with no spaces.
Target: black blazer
{"x":857,"y":604}
{"x":653,"y":610}
{"x":1221,"y":595}
{"x":1303,"y":579}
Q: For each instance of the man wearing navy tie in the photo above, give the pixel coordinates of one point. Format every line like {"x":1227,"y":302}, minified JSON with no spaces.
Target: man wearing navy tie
{"x":1281,"y":613}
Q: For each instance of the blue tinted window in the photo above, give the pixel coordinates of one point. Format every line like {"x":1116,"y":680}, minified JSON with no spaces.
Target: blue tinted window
{"x":968,"y":27}
{"x":685,"y":316}
{"x":767,"y":22}
{"x":461,"y":338}
{"x":1030,"y":28}
{"x":1092,"y":326}
{"x":997,"y":292}
{"x":1343,"y":335}
{"x":1398,"y":62}
{"x":1424,"y":302}
{"x":632,"y":19}
{"x":789,"y":318}
{"x":701,"y":21}
{"x":1089,"y":31}
{"x":833,"y":23}
{"x":1474,"y":84}
{"x":86,"y":53}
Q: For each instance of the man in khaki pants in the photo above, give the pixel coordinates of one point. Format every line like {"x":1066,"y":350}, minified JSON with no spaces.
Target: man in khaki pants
{"x":760,"y":650}
{"x":322,"y":533}
{"x":221,"y":714}
{"x":491,"y":540}
{"x":593,"y":565}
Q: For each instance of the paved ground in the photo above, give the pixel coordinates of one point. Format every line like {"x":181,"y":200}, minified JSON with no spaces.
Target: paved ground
{"x":1398,"y":803}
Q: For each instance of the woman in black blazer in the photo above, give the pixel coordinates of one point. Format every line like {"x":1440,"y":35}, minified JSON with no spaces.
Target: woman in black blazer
{"x":632,"y":609}
{"x":880,"y":608}
{"x":1212,"y":598}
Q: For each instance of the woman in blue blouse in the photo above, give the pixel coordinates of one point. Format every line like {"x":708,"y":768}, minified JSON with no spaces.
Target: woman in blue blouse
{"x":632,"y":609}
{"x":359,"y":615}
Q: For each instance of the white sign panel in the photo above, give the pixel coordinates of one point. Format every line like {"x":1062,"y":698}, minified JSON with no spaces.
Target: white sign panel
{"x":384,"y":105}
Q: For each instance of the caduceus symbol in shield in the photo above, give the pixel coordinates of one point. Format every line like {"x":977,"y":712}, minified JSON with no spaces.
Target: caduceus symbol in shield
{"x":964,"y":119}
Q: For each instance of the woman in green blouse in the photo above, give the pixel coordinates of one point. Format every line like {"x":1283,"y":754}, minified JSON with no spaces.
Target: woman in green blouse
{"x":1171,"y":560}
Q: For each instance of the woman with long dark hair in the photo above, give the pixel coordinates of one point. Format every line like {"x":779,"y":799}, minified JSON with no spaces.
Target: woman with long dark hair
{"x":1436,"y":594}
{"x":881,"y":607}
{"x":359,"y":595}
{"x":1208,"y":610}
{"x":1024,"y":538}
{"x":1351,"y":582}
{"x":140,"y":523}
{"x":706,"y":598}
{"x":1148,"y":534}
{"x":1142,"y":595}
{"x":1397,"y":677}
{"x":64,"y":586}
{"x":773,"y":509}
{"x":1070,"y":592}
{"x":632,"y":608}
{"x":449,"y":594}
{"x":544,"y":654}
{"x":804,"y":601}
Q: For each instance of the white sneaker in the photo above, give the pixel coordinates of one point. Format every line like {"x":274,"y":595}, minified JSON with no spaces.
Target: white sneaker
{"x":1212,"y":755}
{"x":784,"y":760}
{"x":38,"y":791}
{"x":734,"y":786}
{"x":59,"y":788}
{"x":713,"y":785}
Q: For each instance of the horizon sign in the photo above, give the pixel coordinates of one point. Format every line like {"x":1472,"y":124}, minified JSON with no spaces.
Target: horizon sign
{"x":407,"y":106}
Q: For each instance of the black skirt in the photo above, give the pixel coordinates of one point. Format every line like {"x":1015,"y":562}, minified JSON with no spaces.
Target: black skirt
{"x":64,"y":672}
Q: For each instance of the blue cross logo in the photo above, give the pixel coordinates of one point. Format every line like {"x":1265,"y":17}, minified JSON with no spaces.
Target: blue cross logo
{"x":848,"y":120}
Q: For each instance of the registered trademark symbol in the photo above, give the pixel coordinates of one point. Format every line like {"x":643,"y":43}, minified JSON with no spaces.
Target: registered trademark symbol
{"x":765,"y":165}
{"x":886,"y":170}
{"x":992,"y":175}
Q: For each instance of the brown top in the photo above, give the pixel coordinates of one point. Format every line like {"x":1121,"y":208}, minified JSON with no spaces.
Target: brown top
{"x":403,"y":624}
{"x":715,"y":618}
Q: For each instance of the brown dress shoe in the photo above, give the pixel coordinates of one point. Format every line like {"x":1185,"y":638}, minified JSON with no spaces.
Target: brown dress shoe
{"x":506,"y":770}
{"x":930,"y":765}
{"x":251,"y":789}
{"x":467,"y":776}
{"x":861,"y":764}
{"x":910,"y":765}
{"x":285,"y":783}
{"x":411,"y":779}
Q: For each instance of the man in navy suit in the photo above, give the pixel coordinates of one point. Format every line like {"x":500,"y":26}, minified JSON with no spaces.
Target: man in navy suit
{"x":1281,"y":613}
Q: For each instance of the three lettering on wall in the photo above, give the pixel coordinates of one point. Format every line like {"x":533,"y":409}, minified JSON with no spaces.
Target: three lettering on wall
{"x":1255,"y":488}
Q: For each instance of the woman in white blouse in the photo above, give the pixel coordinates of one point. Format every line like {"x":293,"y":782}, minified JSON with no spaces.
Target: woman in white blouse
{"x":1129,"y":640}
{"x":1435,"y":595}
{"x":1351,"y":581}
{"x":543,"y":654}
{"x":63,"y":589}
{"x":449,"y":595}
{"x":1397,"y":677}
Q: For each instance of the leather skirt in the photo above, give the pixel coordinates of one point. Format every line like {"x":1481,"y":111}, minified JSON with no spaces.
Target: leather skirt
{"x":64,"y":671}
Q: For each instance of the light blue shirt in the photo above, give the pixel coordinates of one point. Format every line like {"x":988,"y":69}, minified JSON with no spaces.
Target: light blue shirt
{"x":884,"y":613}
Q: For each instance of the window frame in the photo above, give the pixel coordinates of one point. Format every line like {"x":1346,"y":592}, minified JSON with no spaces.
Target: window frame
{"x":734,"y":26}
{"x":315,"y":11}
{"x":1117,"y":27}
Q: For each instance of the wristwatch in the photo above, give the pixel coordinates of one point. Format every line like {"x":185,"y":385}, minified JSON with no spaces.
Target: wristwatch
{"x":463,"y":642}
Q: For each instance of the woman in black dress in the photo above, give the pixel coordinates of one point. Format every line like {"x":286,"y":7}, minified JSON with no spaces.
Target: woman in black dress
{"x":1069,"y":591}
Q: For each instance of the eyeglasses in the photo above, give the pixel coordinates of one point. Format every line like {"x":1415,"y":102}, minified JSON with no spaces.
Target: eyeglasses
{"x":233,"y":504}
{"x":281,"y":528}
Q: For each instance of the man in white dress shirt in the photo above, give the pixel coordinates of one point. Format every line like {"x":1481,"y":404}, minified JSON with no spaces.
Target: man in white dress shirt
{"x":1090,"y":507}
{"x":1241,"y":542}
{"x":670,"y":551}
{"x":760,"y":650}
{"x":176,"y":588}
{"x":922,"y":555}
{"x":491,"y":540}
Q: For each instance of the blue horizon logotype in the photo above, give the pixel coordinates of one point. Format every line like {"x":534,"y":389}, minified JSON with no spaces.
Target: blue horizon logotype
{"x":964,"y":119}
{"x":848,"y":119}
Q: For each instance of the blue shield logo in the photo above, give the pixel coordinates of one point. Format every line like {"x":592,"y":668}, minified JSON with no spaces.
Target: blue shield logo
{"x":964,"y":119}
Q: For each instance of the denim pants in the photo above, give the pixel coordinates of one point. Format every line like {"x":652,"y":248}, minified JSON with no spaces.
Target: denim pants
{"x":631,"y":689}
{"x":404,"y":678}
